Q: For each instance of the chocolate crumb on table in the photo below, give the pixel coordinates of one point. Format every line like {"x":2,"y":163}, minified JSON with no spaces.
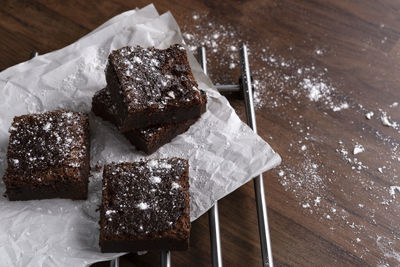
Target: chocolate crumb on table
{"x":147,"y":139}
{"x":48,"y":156}
{"x":151,"y":86}
{"x":145,"y":206}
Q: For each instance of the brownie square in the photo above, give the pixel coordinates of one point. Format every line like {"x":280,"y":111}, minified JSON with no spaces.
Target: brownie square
{"x":145,"y":206}
{"x":152,"y":86}
{"x":147,"y":139}
{"x":48,"y":156}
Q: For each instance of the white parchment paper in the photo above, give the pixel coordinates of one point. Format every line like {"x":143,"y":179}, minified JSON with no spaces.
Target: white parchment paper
{"x":223,"y":152}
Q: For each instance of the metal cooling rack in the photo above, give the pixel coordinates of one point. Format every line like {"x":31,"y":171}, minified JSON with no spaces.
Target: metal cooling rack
{"x":244,"y":87}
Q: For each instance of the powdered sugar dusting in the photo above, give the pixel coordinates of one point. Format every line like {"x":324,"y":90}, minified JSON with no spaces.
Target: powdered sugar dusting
{"x":155,"y":179}
{"x":109,"y":212}
{"x":221,"y":41}
{"x":306,"y":83}
{"x":316,"y":89}
{"x":393,"y":190}
{"x":358,"y":149}
{"x":369,"y":115}
{"x":142,"y":206}
{"x":387,"y":246}
{"x":175,"y":185}
{"x":152,"y":163}
{"x":386,"y":121}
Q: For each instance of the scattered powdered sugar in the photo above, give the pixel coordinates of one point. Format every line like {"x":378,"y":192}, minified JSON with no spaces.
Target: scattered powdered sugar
{"x":393,"y":189}
{"x":316,"y":89}
{"x":109,"y":212}
{"x":387,"y":247}
{"x":319,"y":52}
{"x":152,"y":163}
{"x":165,"y":165}
{"x":136,"y":59}
{"x":303,"y":179}
{"x":358,"y":149}
{"x":171,"y":94}
{"x":155,"y":179}
{"x":222,"y":44}
{"x":47,"y":126}
{"x":283,"y":81}
{"x":385,"y":119}
{"x":354,"y":162}
{"x":369,"y":115}
{"x":142,"y":206}
{"x":340,"y":107}
{"x":175,"y":185}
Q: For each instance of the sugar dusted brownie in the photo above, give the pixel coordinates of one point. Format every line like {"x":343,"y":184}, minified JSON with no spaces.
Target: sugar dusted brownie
{"x":48,"y":156}
{"x":145,"y":206}
{"x":147,"y":139}
{"x":152,"y":86}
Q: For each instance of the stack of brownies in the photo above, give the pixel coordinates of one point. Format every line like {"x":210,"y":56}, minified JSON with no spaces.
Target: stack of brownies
{"x":151,"y":95}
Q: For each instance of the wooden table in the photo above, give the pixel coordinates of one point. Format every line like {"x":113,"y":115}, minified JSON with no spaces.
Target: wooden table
{"x":320,"y":66}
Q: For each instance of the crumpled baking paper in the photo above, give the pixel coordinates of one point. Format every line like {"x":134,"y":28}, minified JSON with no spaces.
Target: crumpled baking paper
{"x":223,"y":152}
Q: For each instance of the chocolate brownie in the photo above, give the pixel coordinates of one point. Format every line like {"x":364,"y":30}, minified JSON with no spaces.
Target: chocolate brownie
{"x":145,"y":206}
{"x":152,"y":86}
{"x":147,"y":139}
{"x":48,"y":156}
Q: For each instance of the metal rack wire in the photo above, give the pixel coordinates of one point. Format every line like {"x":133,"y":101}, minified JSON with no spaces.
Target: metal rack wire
{"x":213,"y":216}
{"x":244,"y":87}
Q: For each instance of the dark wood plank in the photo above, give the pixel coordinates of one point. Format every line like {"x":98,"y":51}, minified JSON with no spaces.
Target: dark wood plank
{"x":322,"y":210}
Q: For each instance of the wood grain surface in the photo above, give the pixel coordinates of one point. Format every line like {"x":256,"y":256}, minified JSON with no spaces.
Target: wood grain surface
{"x":320,"y":66}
